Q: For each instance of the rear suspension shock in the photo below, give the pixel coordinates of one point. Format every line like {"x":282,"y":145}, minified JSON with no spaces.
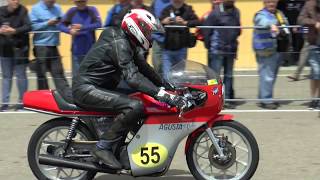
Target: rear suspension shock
{"x":71,"y":133}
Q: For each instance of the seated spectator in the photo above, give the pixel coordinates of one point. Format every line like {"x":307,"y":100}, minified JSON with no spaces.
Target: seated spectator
{"x":114,"y":11}
{"x":14,"y":49}
{"x":177,"y":40}
{"x":157,"y":7}
{"x":223,"y":43}
{"x":45,"y":16}
{"x":310,"y":17}
{"x":80,"y":22}
{"x":134,"y":4}
{"x":265,"y":47}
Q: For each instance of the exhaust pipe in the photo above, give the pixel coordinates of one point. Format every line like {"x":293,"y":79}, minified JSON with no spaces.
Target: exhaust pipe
{"x":66,"y":163}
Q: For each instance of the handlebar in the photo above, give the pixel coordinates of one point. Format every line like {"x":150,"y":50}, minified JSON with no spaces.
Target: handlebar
{"x":193,"y":97}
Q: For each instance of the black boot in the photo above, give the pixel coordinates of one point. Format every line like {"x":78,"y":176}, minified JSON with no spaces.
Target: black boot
{"x":124,"y":158}
{"x":103,"y":152}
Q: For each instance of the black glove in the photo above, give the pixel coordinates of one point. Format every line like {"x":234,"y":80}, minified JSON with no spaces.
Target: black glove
{"x":173,"y":100}
{"x":168,"y":86}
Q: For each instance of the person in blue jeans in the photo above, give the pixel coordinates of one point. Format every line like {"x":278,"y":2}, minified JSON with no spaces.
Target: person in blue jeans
{"x":176,"y":39}
{"x":265,"y":47}
{"x":80,"y":22}
{"x":157,"y":7}
{"x":14,"y":50}
{"x":223,"y":43}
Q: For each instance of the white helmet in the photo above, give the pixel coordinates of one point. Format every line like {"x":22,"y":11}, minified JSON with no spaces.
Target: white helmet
{"x":139,"y":24}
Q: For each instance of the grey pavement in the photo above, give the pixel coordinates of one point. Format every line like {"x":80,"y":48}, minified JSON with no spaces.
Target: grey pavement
{"x":288,"y":141}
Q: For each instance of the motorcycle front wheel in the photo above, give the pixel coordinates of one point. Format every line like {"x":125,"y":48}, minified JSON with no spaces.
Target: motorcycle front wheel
{"x":48,"y":139}
{"x":239,"y":146}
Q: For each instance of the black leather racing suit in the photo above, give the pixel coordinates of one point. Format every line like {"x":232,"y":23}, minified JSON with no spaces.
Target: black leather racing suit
{"x":113,"y":58}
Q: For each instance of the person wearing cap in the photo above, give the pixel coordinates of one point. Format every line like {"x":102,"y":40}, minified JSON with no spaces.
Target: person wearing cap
{"x":267,"y":50}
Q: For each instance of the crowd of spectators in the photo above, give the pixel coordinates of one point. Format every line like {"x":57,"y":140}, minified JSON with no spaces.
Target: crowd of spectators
{"x":81,"y":21}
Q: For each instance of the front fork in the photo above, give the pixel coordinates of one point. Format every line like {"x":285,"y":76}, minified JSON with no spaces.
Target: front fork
{"x":215,"y":142}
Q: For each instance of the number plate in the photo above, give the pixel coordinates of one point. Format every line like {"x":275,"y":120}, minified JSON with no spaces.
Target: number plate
{"x":150,"y":155}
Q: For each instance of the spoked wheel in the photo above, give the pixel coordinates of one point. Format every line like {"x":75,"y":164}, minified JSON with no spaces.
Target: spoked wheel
{"x":239,"y":147}
{"x":48,"y":139}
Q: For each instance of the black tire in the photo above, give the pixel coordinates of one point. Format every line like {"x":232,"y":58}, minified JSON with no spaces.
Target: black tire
{"x":240,"y":128}
{"x":40,"y":131}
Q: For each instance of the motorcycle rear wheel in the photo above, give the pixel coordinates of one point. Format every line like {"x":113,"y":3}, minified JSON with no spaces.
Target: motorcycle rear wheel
{"x":55,"y":131}
{"x":240,"y":147}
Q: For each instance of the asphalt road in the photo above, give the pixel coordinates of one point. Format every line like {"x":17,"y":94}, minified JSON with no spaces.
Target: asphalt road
{"x":288,"y":142}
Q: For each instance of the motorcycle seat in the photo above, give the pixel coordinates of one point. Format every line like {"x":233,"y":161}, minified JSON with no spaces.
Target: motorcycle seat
{"x":64,"y":104}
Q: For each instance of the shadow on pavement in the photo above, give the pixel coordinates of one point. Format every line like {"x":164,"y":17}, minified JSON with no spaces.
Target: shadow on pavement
{"x":174,"y":174}
{"x":283,"y":103}
{"x":305,"y":104}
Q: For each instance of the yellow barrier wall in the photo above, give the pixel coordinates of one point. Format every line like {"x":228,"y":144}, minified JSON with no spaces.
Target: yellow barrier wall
{"x":247,"y":8}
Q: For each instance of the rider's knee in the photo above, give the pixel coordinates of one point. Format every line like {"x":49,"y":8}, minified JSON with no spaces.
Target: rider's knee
{"x":136,"y":106}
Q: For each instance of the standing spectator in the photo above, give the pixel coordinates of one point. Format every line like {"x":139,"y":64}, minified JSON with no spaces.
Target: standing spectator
{"x":114,"y":11}
{"x":158,"y":39}
{"x":204,"y":17}
{"x":134,"y":4}
{"x":303,"y":58}
{"x":80,"y":22}
{"x":223,"y":43}
{"x":291,"y":9}
{"x":177,"y":39}
{"x":45,"y":16}
{"x":265,"y":47}
{"x":14,"y":49}
{"x":310,"y":17}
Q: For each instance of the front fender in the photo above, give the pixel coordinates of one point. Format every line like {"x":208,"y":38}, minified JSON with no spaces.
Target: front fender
{"x":210,"y":123}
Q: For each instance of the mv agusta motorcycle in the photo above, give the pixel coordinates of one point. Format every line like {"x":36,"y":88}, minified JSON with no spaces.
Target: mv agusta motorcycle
{"x":217,"y":147}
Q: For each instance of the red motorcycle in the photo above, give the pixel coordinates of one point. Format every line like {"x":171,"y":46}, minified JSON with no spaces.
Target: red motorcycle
{"x":217,"y":147}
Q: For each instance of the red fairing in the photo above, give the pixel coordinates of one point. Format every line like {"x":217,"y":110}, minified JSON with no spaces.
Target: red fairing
{"x":152,"y":106}
{"x":43,"y":100}
{"x":40,"y":100}
{"x":204,"y":113}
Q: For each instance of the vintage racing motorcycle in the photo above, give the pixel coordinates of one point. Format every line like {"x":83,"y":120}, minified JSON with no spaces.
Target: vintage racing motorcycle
{"x":217,"y":147}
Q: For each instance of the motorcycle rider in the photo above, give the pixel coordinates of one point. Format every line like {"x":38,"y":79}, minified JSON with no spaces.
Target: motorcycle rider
{"x":119,"y":54}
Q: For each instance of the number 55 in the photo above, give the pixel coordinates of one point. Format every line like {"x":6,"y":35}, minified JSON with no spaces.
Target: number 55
{"x":144,"y":152}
